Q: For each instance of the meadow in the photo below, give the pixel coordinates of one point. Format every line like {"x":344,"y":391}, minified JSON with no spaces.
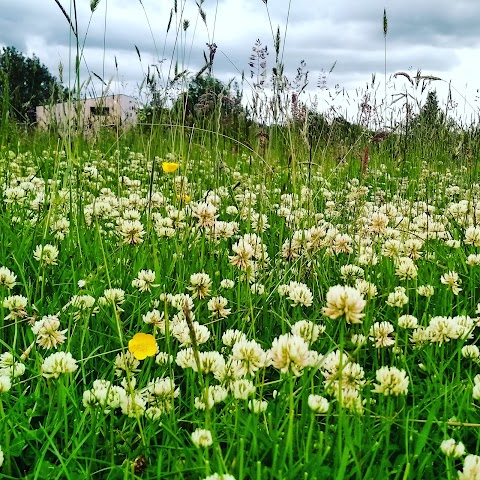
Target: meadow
{"x":214,"y":315}
{"x":195,"y":299}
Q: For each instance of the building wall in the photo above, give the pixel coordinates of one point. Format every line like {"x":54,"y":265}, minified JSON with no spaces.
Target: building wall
{"x":113,"y":110}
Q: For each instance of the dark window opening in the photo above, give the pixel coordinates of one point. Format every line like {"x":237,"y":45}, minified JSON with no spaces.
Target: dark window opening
{"x":99,"y":110}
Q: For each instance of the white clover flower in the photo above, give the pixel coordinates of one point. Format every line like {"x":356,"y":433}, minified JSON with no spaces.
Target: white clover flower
{"x":452,"y":449}
{"x":227,"y":284}
{"x":406,"y":268}
{"x":471,"y":468}
{"x":218,"y":476}
{"x":343,"y":300}
{"x":1,"y":456}
{"x":257,"y":406}
{"x":58,"y":363}
{"x":307,"y":330}
{"x":300,"y":294}
{"x":452,"y":280}
{"x":132,"y":231}
{"x":290,"y":354}
{"x":242,"y":388}
{"x":5,"y":383}
{"x":202,"y":438}
{"x":200,"y":285}
{"x":397,"y":298}
{"x":367,"y":289}
{"x":408,"y":321}
{"x":46,"y":254}
{"x":48,"y":333}
{"x":425,"y":290}
{"x":144,"y":280}
{"x":379,"y":333}
{"x":471,"y":351}
{"x":217,"y":306}
{"x":7,"y":278}
{"x":318,"y":404}
{"x":232,"y":336}
{"x":251,"y":356}
{"x":181,"y":332}
{"x":472,"y":236}
{"x":10,"y":367}
{"x":391,"y":381}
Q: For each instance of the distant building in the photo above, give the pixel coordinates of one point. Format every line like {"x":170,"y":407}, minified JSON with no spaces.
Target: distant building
{"x":91,"y":113}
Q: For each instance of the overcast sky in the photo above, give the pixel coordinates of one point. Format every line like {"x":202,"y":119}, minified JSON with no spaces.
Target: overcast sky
{"x":440,"y":37}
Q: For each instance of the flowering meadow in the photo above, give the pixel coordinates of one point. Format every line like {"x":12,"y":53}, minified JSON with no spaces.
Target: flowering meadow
{"x":204,"y":316}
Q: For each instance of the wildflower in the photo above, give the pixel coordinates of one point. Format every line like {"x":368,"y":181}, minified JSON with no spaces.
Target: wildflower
{"x":257,"y":288}
{"x":343,"y":300}
{"x":358,"y":339}
{"x":471,"y":351}
{"x":217,"y":306}
{"x":200,"y":284}
{"x":1,"y":451}
{"x":392,"y":381}
{"x":181,"y":331}
{"x":113,"y":296}
{"x":5,"y":383}
{"x":397,"y":298}
{"x":7,"y":278}
{"x":58,"y":363}
{"x":290,"y":353}
{"x":379,"y":333}
{"x":351,"y":272}
{"x":471,"y":468}
{"x":452,"y":449}
{"x":443,"y":329}
{"x":142,"y":345}
{"x":206,"y":214}
{"x":242,"y":388}
{"x":406,"y":268}
{"x":367,"y":289}
{"x":144,"y":280}
{"x":17,"y":306}
{"x":231,"y":337}
{"x":244,"y":253}
{"x":155,"y":318}
{"x":132,"y":231}
{"x":318,"y":404}
{"x":126,"y":362}
{"x":170,"y":167}
{"x":307,"y":330}
{"x":251,"y":355}
{"x":202,"y":438}
{"x":227,"y":284}
{"x":408,"y":321}
{"x":48,"y":333}
{"x":218,"y":476}
{"x":299,"y":294}
{"x":452,"y":280}
{"x":425,"y":290}
{"x":257,"y":406}
{"x":472,"y":236}
{"x":473,"y":260}
{"x":133,"y":405}
{"x":46,"y":254}
{"x":10,"y":367}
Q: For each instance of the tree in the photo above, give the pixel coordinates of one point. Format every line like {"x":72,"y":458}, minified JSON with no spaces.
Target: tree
{"x":25,"y":83}
{"x":207,"y":95}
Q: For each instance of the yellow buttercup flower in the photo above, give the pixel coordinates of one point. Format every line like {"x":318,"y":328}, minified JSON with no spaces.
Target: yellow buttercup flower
{"x":142,"y":345}
{"x":169,"y":167}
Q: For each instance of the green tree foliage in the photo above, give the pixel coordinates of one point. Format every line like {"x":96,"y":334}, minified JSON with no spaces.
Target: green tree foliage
{"x":25,"y":83}
{"x":207,"y":96}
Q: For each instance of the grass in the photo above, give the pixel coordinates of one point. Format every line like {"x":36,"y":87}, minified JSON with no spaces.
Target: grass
{"x":264,"y":382}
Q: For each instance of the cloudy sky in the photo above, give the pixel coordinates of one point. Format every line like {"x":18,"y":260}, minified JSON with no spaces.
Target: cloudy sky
{"x":439,"y":37}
